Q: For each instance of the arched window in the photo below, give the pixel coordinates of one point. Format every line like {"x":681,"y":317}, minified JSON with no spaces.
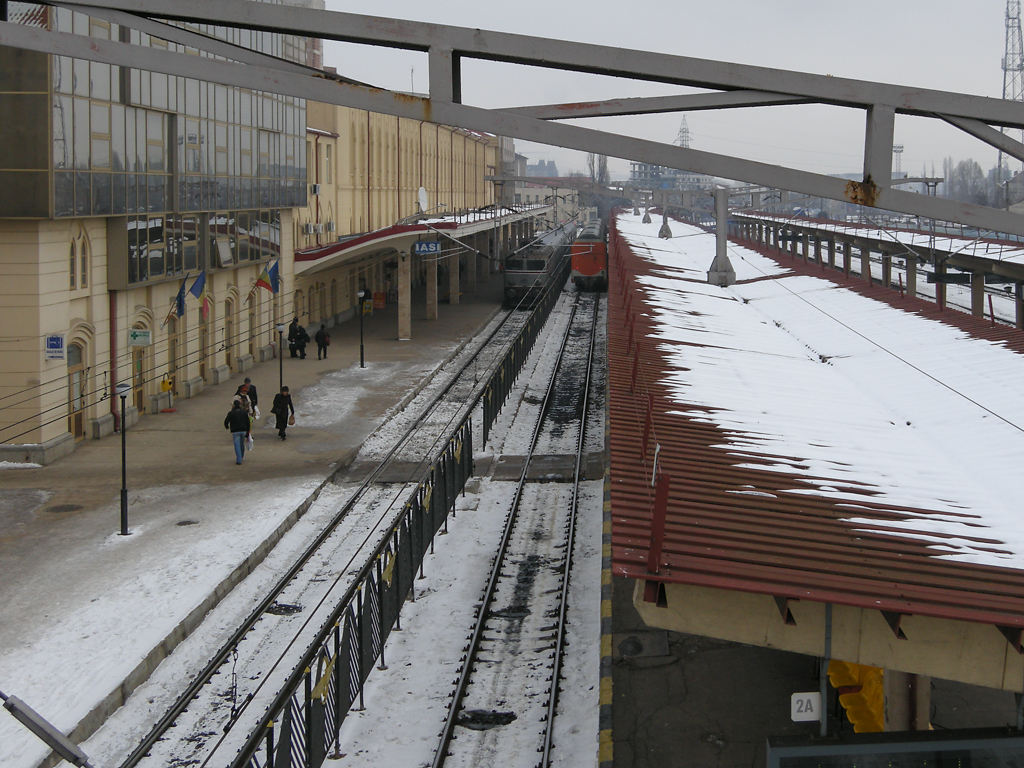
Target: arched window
{"x":72,"y":267}
{"x":83,"y":264}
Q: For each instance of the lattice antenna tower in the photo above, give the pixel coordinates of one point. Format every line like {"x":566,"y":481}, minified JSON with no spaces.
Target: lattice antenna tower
{"x":683,"y":137}
{"x":1013,"y":62}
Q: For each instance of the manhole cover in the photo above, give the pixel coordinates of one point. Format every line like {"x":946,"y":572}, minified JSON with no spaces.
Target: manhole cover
{"x":187,"y":522}
{"x":59,"y":508}
{"x":485,"y":719}
{"x":284,"y":609}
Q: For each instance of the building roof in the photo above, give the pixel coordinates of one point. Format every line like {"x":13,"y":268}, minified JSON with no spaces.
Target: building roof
{"x":820,"y":442}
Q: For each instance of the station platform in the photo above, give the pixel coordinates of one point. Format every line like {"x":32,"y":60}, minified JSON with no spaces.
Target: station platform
{"x":87,"y":613}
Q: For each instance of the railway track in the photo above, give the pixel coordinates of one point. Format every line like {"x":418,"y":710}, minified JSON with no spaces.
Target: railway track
{"x":506,"y":696}
{"x":251,"y":664}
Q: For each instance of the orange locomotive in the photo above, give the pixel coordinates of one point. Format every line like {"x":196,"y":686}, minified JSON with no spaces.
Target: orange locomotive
{"x":589,"y":256}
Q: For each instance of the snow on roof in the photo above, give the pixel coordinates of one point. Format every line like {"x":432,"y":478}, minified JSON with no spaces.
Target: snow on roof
{"x":819,"y":443}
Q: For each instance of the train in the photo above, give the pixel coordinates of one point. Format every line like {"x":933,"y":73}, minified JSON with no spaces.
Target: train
{"x":589,"y":257}
{"x":530,"y":269}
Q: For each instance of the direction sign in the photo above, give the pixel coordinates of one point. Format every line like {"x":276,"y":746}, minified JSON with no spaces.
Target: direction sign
{"x":137,"y":337}
{"x":805,"y":707}
{"x":425,"y":247}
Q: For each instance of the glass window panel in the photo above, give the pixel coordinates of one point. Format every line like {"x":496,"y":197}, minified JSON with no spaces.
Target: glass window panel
{"x":83,"y":194}
{"x":145,"y":96}
{"x":101,"y":193}
{"x":63,"y":21}
{"x":159,"y":85}
{"x":100,"y":116}
{"x":80,"y":77}
{"x":72,"y":272}
{"x":99,"y":80}
{"x":100,"y":153}
{"x":63,"y":75}
{"x":62,"y":126}
{"x":117,"y":137}
{"x":118,"y":202}
{"x":64,"y":194}
{"x":140,"y":140}
{"x":81,"y":133}
{"x":220,"y":102}
{"x":157,"y":192}
{"x":192,"y":97}
{"x":83,"y":265}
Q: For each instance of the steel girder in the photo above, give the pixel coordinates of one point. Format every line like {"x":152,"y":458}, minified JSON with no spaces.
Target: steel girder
{"x":447,"y":45}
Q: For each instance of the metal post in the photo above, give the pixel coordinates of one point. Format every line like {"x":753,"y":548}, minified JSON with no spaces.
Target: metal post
{"x":280,"y":356}
{"x":124,"y":471}
{"x":823,"y":675}
{"x":362,"y":295}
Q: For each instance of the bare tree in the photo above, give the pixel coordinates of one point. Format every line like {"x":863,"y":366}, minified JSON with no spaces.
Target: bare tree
{"x":597,"y":169}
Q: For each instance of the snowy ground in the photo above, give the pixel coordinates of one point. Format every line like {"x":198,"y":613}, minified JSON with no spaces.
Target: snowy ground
{"x":863,"y":396}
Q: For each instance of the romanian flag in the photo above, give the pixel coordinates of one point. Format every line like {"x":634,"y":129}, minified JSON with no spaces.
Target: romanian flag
{"x":267,"y":279}
{"x":178,"y":304}
{"x":198,"y":290}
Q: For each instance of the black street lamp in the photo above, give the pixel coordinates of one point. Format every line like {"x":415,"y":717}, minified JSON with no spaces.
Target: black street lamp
{"x":121,"y":390}
{"x":280,"y":355}
{"x":362,"y":298}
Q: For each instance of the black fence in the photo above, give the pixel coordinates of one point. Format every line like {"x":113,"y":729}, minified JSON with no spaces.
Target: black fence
{"x":300,"y":728}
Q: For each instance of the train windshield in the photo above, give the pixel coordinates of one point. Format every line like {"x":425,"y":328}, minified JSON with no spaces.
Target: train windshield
{"x":535,"y":264}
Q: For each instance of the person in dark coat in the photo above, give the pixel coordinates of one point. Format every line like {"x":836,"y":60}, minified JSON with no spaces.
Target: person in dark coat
{"x":248,"y":389}
{"x":237,"y":422}
{"x":293,"y":337}
{"x":322,"y":339}
{"x":301,"y":340}
{"x":283,"y":410}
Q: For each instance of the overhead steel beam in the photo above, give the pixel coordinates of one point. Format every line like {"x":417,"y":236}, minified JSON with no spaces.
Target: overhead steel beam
{"x":988,"y":134}
{"x":691,"y":102}
{"x":503,"y":124}
{"x":487,"y":45}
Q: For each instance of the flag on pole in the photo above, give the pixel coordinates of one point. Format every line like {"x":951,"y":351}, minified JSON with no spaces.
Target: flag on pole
{"x":198,"y":290}
{"x":268,"y":280}
{"x":178,"y":303}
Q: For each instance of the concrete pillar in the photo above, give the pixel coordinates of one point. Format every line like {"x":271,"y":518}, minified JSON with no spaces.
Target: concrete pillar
{"x":454,"y":287}
{"x":832,"y":253}
{"x":721,"y":271}
{"x":431,"y":266}
{"x":911,"y":276}
{"x":978,"y":294}
{"x":404,"y":297}
{"x":805,"y":242}
{"x":940,"y":287}
{"x":865,"y":263}
{"x":847,"y":257}
{"x":907,"y":701}
{"x":817,"y":250}
{"x":886,"y":269}
{"x":471,"y":258}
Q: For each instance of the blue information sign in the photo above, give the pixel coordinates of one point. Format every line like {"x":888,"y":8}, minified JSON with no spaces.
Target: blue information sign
{"x":55,"y":347}
{"x":426,"y":247}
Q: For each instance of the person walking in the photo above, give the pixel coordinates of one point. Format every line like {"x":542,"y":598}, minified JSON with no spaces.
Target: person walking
{"x":301,"y":340}
{"x":284,"y":412}
{"x":237,"y":422}
{"x":248,"y":389}
{"x":322,"y":339}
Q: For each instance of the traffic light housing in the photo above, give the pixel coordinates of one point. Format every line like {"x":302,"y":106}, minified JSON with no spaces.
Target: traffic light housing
{"x":861,"y":693}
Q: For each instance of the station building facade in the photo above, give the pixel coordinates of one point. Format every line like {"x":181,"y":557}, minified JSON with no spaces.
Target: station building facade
{"x":120,"y":188}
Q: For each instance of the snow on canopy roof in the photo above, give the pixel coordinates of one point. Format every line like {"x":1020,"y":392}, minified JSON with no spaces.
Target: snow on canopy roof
{"x":820,"y":443}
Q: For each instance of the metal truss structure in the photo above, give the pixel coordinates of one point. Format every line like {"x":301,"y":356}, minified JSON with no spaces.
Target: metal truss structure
{"x":728,"y":86}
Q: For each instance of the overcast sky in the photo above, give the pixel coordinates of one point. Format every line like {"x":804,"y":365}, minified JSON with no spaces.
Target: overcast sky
{"x":954,"y":45}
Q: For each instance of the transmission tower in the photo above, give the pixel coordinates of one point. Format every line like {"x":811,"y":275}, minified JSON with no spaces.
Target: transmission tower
{"x":1013,"y":63}
{"x":897,"y":163}
{"x":683,"y":137}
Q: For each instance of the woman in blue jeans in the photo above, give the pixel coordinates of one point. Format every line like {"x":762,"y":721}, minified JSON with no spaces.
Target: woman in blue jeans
{"x":237,"y":422}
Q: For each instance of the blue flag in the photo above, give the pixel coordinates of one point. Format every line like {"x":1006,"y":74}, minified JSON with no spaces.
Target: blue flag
{"x":179,"y":301}
{"x":199,"y":285}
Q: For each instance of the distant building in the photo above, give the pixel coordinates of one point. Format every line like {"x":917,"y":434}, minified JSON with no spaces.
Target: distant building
{"x":544,"y":168}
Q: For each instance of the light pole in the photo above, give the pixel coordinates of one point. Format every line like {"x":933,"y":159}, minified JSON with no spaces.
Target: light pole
{"x":280,"y":355}
{"x":362,"y":296}
{"x":121,"y":390}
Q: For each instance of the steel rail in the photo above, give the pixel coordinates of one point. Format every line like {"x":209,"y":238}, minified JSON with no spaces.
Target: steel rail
{"x":462,"y":684}
{"x":165,"y":723}
{"x":570,"y":540}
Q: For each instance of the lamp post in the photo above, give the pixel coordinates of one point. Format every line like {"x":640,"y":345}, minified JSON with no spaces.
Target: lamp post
{"x":121,"y":390}
{"x":362,"y":297}
{"x":280,"y":355}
